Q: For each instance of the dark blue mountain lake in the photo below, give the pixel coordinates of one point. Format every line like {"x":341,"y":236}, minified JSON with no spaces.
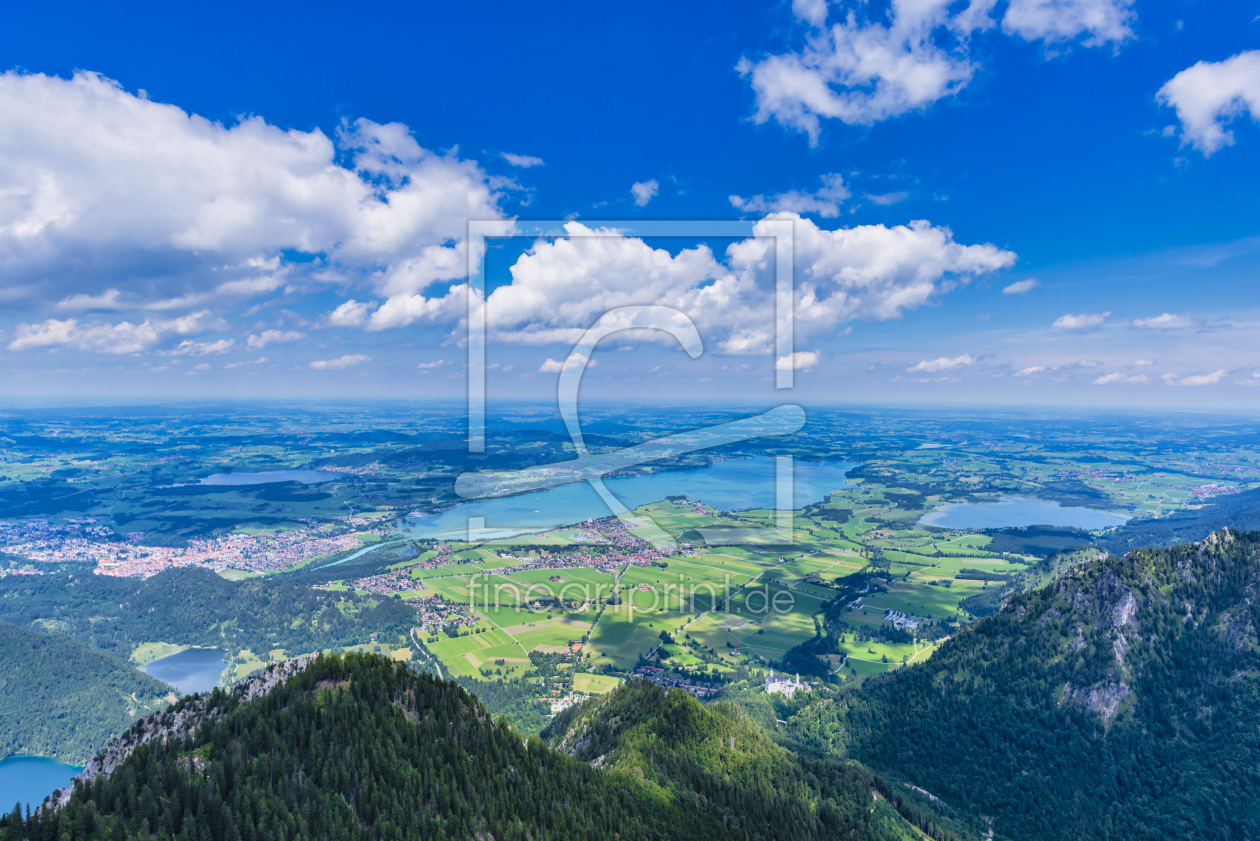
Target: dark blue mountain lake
{"x":729,"y":484}
{"x":29,"y":779}
{"x":1017,"y":512}
{"x":193,"y":670}
{"x":306,"y":477}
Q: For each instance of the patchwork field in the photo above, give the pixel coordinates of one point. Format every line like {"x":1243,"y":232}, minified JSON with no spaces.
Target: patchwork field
{"x":713,"y":609}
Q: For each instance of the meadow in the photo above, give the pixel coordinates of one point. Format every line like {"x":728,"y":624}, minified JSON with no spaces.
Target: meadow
{"x":716,"y":608}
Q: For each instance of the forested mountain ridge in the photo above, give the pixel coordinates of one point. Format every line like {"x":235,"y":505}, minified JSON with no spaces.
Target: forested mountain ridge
{"x":1121,"y":701}
{"x":361,"y":747}
{"x":715,"y":760}
{"x":194,"y":606}
{"x":61,"y":698}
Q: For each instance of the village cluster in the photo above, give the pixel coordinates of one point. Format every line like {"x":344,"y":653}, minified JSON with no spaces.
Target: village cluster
{"x":1197,"y":491}
{"x":436,"y":614}
{"x":618,"y":546}
{"x":388,"y":583}
{"x":901,"y":620}
{"x":659,"y":676}
{"x":82,"y":541}
{"x":76,"y":540}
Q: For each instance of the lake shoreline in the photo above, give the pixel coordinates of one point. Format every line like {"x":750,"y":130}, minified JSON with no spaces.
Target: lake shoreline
{"x":724,"y":484}
{"x":1013,"y":512}
{"x":30,"y":779}
{"x":191,"y":670}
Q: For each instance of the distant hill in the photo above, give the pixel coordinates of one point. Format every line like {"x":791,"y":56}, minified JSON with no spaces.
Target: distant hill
{"x":714,"y":760}
{"x":1120,"y":702}
{"x":359,"y":747}
{"x":61,"y":698}
{"x":194,"y":606}
{"x":1240,"y":511}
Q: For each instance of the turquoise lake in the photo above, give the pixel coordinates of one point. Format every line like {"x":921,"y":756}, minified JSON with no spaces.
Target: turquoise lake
{"x":194,"y":670}
{"x":729,"y":484}
{"x":1017,"y":512}
{"x":29,"y":779}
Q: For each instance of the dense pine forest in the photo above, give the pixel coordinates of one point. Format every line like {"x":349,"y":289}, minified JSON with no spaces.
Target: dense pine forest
{"x":716,"y":759}
{"x":194,"y":606}
{"x":361,"y":747}
{"x":61,"y":698}
{"x":1120,"y":702}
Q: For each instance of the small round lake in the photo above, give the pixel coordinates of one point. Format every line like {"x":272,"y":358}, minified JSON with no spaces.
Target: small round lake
{"x":1018,"y":512}
{"x":29,"y":779}
{"x":193,"y":670}
{"x":306,"y":477}
{"x":727,"y":484}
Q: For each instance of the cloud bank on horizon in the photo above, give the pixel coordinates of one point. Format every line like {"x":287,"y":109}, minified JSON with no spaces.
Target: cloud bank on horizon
{"x":136,"y":229}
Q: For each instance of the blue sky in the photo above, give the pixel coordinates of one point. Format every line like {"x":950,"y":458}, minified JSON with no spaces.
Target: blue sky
{"x":272,"y":201}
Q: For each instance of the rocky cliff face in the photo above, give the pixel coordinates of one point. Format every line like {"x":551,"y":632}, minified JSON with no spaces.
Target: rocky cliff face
{"x":1120,"y":701}
{"x":178,"y":721}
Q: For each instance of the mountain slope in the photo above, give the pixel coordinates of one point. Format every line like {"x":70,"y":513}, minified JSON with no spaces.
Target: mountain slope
{"x":61,"y":698}
{"x":1239,"y":512}
{"x":359,"y":747}
{"x":715,"y":760}
{"x":1122,"y":701}
{"x":195,"y":606}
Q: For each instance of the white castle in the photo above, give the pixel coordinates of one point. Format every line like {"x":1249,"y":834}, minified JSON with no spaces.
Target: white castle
{"x":784,"y":684}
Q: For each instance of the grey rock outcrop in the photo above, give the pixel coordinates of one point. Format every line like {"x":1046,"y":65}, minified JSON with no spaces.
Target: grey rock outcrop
{"x":176,"y":724}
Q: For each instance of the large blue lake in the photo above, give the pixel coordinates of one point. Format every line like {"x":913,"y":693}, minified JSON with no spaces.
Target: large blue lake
{"x":194,"y":670}
{"x":29,"y":779}
{"x":729,"y":484}
{"x":1017,"y":512}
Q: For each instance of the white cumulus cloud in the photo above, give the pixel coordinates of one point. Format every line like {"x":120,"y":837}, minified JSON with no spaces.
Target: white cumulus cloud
{"x":878,"y":61}
{"x":1082,"y":322}
{"x":191,"y":348}
{"x":110,"y":299}
{"x":1136,"y":379}
{"x":643,"y":191}
{"x":1021,"y":287}
{"x":347,"y":361}
{"x":404,"y":310}
{"x":1195,"y":379}
{"x":868,"y":272}
{"x":523,"y":161}
{"x":92,"y":174}
{"x":352,"y":313}
{"x":801,"y":360}
{"x":573,"y":360}
{"x":101,"y":337}
{"x":887,"y":199}
{"x":825,"y":201}
{"x":1100,"y":21}
{"x":1209,"y":95}
{"x":273,"y":337}
{"x":942,"y":363}
{"x":1167,"y":321}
